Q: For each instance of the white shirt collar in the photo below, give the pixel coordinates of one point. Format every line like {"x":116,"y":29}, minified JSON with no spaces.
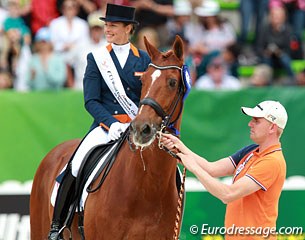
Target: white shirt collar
{"x":122,"y":52}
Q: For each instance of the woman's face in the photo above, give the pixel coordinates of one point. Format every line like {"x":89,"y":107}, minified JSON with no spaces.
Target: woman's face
{"x":117,"y":32}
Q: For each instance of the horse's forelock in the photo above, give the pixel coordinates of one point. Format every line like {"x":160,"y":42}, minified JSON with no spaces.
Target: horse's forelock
{"x":169,"y":55}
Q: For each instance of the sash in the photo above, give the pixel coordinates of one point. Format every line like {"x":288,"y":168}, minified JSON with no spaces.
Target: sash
{"x":111,"y":76}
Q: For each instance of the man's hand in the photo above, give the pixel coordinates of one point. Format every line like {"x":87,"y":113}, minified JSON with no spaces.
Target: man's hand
{"x":117,"y":129}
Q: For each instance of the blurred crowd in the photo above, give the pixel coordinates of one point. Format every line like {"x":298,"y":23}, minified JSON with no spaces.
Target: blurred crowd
{"x":44,"y":43}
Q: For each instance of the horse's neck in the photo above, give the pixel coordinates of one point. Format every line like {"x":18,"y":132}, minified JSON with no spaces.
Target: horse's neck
{"x":152,"y":165}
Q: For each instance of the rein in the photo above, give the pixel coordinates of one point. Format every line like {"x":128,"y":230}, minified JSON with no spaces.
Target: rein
{"x":166,"y":118}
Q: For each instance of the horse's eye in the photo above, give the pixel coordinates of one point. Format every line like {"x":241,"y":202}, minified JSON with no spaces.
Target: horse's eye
{"x":172,"y":82}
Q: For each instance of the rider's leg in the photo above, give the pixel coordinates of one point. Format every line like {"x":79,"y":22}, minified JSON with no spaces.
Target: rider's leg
{"x":64,"y":199}
{"x":95,"y":137}
{"x":66,"y":192}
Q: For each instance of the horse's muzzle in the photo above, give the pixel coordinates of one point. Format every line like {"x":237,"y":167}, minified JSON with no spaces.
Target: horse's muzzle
{"x":143,"y":134}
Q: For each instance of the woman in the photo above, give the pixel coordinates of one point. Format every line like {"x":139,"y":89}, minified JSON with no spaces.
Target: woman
{"x":110,"y":81}
{"x":47,"y":69}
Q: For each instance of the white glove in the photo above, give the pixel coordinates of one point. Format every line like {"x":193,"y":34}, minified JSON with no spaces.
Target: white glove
{"x":117,"y":129}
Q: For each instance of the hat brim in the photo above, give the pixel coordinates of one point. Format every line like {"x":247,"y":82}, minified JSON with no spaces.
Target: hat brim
{"x":203,"y":13}
{"x":252,"y":112}
{"x":116,"y":19}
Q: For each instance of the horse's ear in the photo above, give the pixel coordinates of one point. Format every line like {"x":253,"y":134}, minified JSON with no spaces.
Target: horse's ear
{"x":151,"y":50}
{"x":178,"y":47}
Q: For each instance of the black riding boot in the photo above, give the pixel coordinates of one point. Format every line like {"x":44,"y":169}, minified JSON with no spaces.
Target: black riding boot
{"x":64,"y":199}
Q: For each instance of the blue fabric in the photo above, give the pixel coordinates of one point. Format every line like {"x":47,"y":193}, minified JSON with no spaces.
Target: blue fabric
{"x":99,"y":101}
{"x":241,"y":153}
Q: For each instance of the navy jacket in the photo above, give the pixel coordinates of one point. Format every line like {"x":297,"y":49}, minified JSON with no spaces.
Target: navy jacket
{"x":99,"y":100}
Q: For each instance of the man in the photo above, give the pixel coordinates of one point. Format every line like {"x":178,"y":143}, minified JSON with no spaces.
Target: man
{"x":258,"y":171}
{"x":217,"y":77}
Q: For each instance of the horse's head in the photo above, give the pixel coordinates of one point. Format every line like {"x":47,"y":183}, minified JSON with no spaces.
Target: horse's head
{"x":164,"y":85}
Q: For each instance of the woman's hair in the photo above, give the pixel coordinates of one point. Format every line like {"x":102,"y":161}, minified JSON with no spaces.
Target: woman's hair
{"x":133,"y":29}
{"x":218,"y":19}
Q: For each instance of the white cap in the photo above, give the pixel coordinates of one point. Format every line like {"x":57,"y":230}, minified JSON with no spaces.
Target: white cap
{"x":208,"y":8}
{"x":94,"y":20}
{"x":273,"y":111}
{"x":182,"y":8}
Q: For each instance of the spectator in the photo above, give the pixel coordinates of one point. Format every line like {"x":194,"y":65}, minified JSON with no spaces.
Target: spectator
{"x":216,"y":77}
{"x":17,"y":35}
{"x":47,"y":69}
{"x":3,"y":16}
{"x":295,"y":14}
{"x":180,"y":21}
{"x":67,"y":31}
{"x":81,"y":51}
{"x":154,"y":13}
{"x":85,"y":7}
{"x":213,"y":32}
{"x":274,"y":42}
{"x":262,"y":76}
{"x":5,"y":80}
{"x":151,"y":34}
{"x":3,"y":39}
{"x":42,"y":13}
{"x":251,"y":10}
{"x":230,"y":55}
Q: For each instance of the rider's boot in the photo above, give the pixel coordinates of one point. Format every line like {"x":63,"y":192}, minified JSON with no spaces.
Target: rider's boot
{"x":64,"y":199}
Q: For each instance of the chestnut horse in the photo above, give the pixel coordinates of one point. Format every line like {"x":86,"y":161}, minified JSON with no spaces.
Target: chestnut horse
{"x":138,"y":200}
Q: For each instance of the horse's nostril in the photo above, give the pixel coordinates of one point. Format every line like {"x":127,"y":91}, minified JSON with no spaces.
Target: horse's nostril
{"x":146,"y":130}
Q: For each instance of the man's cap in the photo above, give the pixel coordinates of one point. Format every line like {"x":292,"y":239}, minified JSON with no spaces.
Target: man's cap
{"x":43,"y":34}
{"x":119,"y":13}
{"x":272,"y":111}
{"x":182,"y":8}
{"x":208,"y":8}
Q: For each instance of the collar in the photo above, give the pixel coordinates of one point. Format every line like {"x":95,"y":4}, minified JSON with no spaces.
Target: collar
{"x":270,"y":149}
{"x":128,"y":46}
{"x":119,"y":49}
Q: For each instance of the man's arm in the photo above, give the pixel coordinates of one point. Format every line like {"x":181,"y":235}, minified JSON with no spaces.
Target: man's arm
{"x":242,"y":187}
{"x":206,"y":171}
{"x":220,"y":168}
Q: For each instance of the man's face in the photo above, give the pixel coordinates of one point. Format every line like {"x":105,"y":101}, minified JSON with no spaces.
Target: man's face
{"x":259,"y":129}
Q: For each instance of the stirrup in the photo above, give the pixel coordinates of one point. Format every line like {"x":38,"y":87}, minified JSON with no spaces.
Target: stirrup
{"x":55,"y":232}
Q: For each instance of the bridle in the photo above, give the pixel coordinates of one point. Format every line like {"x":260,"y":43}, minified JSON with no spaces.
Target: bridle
{"x":167,"y":123}
{"x":166,"y":117}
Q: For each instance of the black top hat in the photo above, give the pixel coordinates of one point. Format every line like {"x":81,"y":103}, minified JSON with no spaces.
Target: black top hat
{"x":119,"y":13}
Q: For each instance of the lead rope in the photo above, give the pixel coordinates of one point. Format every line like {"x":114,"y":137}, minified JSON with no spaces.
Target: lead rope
{"x":179,"y":207}
{"x":178,"y":220}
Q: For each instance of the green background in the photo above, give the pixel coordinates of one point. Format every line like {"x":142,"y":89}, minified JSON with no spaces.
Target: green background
{"x":213,"y":126}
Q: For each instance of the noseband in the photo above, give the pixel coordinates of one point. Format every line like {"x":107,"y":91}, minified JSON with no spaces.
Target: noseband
{"x":166,"y":118}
